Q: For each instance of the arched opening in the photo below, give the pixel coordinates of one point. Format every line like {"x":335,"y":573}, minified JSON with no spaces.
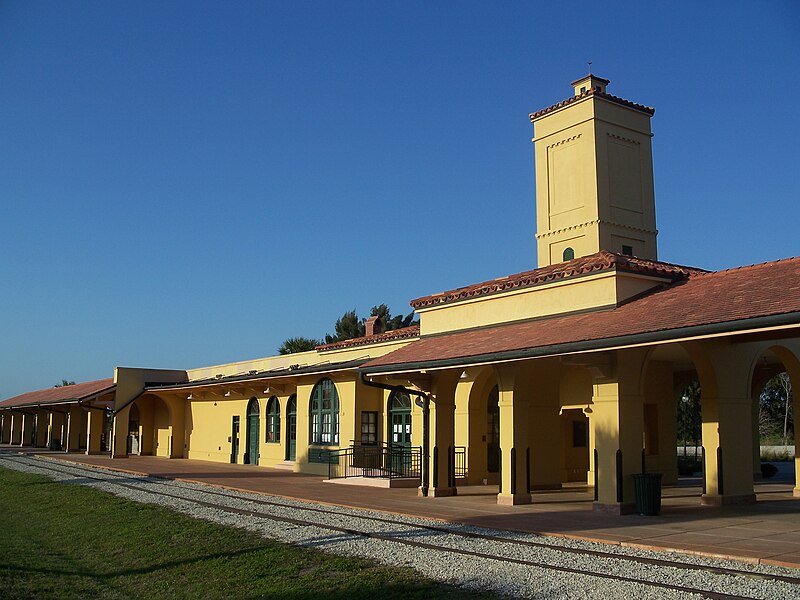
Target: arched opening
{"x":400,"y":419}
{"x":291,"y":427}
{"x":273,"y":421}
{"x":774,"y":387}
{"x":324,"y":414}
{"x":251,"y":456}
{"x":569,"y":254}
{"x":689,"y":427}
{"x":133,"y":443}
{"x":493,"y":431}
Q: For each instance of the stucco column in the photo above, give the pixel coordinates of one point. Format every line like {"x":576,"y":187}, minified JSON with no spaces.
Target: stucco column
{"x":55,"y":429}
{"x":618,"y":416}
{"x":515,"y":451}
{"x":5,"y":432}
{"x":796,"y":409}
{"x":727,"y":452}
{"x":618,"y":424}
{"x":74,"y":429}
{"x":463,"y":435}
{"x":119,"y":433}
{"x":94,"y":430}
{"x":16,"y":429}
{"x":28,"y":429}
{"x":177,"y":430}
{"x":545,"y":447}
{"x":442,"y":435}
{"x":42,"y":427}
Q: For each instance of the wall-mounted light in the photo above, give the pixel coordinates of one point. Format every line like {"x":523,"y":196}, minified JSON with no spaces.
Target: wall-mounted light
{"x":190,"y":397}
{"x":266,"y":391}
{"x":588,"y":409}
{"x":463,"y":375}
{"x":228,"y":394}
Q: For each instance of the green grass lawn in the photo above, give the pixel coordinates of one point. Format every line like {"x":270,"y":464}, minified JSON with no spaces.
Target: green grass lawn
{"x":69,"y":541}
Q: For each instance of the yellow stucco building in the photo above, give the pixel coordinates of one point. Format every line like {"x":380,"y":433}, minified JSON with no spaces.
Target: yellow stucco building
{"x":569,"y":372}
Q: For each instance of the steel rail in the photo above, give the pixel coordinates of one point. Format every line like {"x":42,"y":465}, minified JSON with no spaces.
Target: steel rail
{"x":445,"y":530}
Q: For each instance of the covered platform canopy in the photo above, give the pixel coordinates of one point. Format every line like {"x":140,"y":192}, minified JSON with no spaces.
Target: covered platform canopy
{"x":69,"y":417}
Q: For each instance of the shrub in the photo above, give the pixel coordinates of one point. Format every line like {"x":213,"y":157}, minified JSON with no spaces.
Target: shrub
{"x":768,"y":470}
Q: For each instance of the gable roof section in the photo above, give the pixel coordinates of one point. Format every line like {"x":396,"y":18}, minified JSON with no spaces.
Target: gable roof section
{"x":597,"y":262}
{"x":386,"y":336}
{"x":60,"y":395}
{"x":723,"y":301}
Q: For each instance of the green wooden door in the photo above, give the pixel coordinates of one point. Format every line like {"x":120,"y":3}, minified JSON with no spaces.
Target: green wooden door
{"x":291,"y":428}
{"x":251,"y":456}
{"x":400,"y":440}
{"x":235,"y":440}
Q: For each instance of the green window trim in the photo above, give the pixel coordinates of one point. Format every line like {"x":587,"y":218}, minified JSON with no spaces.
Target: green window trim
{"x":323,"y":414}
{"x":273,"y":421}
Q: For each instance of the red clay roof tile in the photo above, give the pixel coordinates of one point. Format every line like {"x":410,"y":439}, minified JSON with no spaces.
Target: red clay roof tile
{"x":388,"y":336}
{"x":599,"y":261}
{"x":67,"y":393}
{"x":761,"y":290}
{"x":592,"y":92}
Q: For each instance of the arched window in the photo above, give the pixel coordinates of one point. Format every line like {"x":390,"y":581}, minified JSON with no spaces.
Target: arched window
{"x":569,"y":253}
{"x":274,"y":420}
{"x":324,"y":413}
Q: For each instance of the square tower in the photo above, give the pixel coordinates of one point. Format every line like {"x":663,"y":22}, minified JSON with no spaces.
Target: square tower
{"x":594,"y":176}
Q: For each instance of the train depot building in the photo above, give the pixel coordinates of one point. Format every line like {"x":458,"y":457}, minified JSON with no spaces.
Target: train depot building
{"x":570,"y":372}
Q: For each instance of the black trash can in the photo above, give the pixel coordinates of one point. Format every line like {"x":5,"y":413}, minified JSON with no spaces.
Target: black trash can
{"x":648,"y":493}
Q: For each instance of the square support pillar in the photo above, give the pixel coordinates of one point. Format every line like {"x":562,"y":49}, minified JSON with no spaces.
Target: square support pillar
{"x":545,"y":446}
{"x":119,"y":434}
{"x":618,"y":425}
{"x":515,"y":451}
{"x":727,"y":451}
{"x":16,"y":429}
{"x":96,"y":422}
{"x":28,"y":429}
{"x":442,"y":436}
{"x":56,"y":430}
{"x":74,"y":428}
{"x":177,"y":428}
{"x":5,"y":432}
{"x":42,"y":428}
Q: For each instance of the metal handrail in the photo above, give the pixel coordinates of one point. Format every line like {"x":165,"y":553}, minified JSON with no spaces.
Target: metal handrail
{"x":382,"y":461}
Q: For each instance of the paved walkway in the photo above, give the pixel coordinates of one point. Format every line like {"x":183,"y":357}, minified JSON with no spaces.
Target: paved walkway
{"x":768,"y":532}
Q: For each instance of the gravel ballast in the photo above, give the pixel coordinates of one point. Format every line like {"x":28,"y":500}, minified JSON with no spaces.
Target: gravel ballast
{"x":341,"y":530}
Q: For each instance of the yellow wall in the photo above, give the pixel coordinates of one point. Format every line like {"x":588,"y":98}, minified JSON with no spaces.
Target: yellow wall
{"x":600,"y":290}
{"x":594,"y":180}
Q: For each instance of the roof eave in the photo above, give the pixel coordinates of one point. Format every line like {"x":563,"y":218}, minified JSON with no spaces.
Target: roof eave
{"x":613,"y":343}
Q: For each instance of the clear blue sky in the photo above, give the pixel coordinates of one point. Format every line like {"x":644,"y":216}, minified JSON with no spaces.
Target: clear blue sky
{"x":190,"y":183}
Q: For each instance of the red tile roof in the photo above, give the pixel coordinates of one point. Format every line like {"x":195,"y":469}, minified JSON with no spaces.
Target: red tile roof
{"x":600,"y":261}
{"x":67,"y":393}
{"x":388,"y":336}
{"x":593,"y":92}
{"x":719,"y":298}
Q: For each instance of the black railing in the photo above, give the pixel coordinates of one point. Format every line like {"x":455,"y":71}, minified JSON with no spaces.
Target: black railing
{"x":460,"y":462}
{"x":380,"y":461}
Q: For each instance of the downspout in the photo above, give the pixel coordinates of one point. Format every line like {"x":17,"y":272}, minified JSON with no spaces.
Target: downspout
{"x":426,"y":408}
{"x":127,"y":404}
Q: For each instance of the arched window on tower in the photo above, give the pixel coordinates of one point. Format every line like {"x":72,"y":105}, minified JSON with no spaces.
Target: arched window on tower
{"x":569,"y":253}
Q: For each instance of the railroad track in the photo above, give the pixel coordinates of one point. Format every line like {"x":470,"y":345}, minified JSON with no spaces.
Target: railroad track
{"x":454,"y":540}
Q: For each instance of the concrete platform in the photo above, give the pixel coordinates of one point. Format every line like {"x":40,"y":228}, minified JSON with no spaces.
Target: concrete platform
{"x":767,"y":532}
